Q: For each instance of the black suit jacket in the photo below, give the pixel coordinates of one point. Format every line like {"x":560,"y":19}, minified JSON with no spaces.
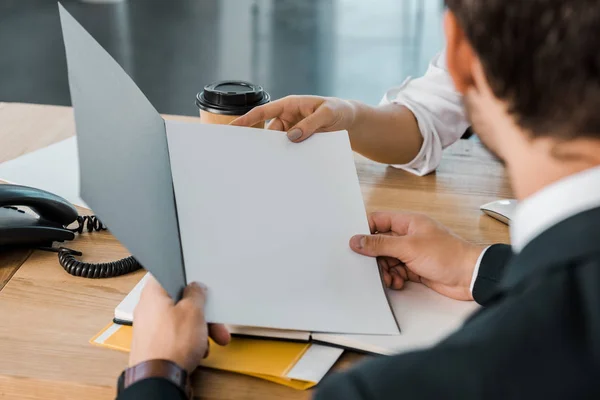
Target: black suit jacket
{"x":538,"y":336}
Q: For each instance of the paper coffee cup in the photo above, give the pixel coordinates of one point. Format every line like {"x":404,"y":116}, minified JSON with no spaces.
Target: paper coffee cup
{"x":222,"y":102}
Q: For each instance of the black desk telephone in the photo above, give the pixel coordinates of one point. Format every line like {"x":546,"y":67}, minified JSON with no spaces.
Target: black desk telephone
{"x":48,"y":221}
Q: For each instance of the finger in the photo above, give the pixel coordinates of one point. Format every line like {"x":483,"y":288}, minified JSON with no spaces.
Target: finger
{"x":402,"y":272}
{"x":194,"y":295}
{"x":397,"y":281}
{"x":385,"y":276}
{"x":276,"y":125}
{"x":378,"y":245}
{"x":219,"y":333}
{"x":323,"y":116}
{"x":391,"y":261}
{"x":385,"y":221}
{"x":383,"y":262}
{"x":261,"y":113}
{"x":384,"y":271}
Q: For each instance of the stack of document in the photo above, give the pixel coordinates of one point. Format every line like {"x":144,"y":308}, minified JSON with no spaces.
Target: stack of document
{"x":426,"y":318}
{"x":297,"y":365}
{"x":300,"y":359}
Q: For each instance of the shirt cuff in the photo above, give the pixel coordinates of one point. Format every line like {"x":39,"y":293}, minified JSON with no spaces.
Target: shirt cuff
{"x":476,"y":270}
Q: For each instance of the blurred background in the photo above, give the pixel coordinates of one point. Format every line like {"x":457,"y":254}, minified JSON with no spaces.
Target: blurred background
{"x":354,"y":49}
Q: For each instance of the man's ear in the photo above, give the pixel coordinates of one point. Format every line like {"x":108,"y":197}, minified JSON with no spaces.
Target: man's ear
{"x":459,"y":53}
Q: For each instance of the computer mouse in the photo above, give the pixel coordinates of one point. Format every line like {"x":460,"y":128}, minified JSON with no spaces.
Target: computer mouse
{"x":502,"y":210}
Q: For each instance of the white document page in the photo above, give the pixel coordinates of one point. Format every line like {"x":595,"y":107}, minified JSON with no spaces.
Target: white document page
{"x":54,"y":169}
{"x":426,"y":318}
{"x":125,"y":309}
{"x":265,"y":224}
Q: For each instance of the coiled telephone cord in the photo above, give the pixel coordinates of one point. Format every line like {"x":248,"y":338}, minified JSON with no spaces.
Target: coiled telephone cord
{"x":66,"y":257}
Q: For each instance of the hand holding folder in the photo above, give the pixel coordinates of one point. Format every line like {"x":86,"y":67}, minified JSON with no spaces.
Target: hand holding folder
{"x":174,"y":331}
{"x":178,"y":332}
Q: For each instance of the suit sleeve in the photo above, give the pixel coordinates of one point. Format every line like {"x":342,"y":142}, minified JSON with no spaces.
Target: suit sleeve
{"x":528,"y":345}
{"x":152,"y":389}
{"x":490,"y":272}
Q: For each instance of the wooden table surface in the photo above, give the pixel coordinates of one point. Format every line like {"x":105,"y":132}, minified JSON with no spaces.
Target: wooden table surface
{"x":48,"y":316}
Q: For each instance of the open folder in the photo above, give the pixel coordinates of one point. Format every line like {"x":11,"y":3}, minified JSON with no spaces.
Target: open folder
{"x":427,"y":318}
{"x":263,"y":222}
{"x":297,"y":365}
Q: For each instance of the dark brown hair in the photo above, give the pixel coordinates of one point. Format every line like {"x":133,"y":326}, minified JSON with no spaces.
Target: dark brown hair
{"x":542,"y":57}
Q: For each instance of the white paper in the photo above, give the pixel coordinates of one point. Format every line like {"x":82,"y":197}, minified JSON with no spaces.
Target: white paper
{"x":425,"y":317}
{"x":124,"y":312}
{"x":265,"y":224}
{"x":54,"y":169}
{"x":315,"y":363}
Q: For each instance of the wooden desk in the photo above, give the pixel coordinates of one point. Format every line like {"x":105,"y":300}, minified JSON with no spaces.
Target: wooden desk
{"x":48,"y":316}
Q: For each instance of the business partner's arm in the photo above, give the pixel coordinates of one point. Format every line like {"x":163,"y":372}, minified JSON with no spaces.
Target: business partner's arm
{"x":409,"y":129}
{"x":387,"y":134}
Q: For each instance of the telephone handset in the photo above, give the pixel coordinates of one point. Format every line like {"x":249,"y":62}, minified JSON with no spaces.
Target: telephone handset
{"x":49,"y":222}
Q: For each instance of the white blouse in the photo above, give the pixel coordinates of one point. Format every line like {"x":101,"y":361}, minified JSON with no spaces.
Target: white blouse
{"x":439,"y":111}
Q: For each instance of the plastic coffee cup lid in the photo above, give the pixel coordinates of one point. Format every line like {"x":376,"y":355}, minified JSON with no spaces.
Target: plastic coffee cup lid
{"x":231,"y":97}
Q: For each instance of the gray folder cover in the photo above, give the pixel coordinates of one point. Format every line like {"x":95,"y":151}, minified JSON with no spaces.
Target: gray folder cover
{"x":123,"y":156}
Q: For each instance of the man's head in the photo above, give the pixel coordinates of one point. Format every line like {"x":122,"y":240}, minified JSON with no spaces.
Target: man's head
{"x":529,"y":71}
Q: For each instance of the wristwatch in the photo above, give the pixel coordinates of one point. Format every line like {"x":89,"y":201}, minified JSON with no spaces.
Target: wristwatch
{"x":156,"y":369}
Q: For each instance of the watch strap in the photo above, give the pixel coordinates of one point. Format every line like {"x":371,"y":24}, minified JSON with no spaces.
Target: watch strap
{"x":157,"y":369}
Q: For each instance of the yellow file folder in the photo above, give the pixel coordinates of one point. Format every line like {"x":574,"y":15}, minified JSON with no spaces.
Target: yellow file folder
{"x":266,"y":359}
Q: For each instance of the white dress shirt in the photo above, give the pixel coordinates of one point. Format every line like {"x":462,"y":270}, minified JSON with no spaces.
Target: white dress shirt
{"x":553,"y":204}
{"x":438,"y":109}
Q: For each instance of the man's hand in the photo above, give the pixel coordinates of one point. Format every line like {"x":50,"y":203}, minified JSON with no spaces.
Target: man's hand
{"x":302,"y":116}
{"x":417,"y":248}
{"x":174,"y":332}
